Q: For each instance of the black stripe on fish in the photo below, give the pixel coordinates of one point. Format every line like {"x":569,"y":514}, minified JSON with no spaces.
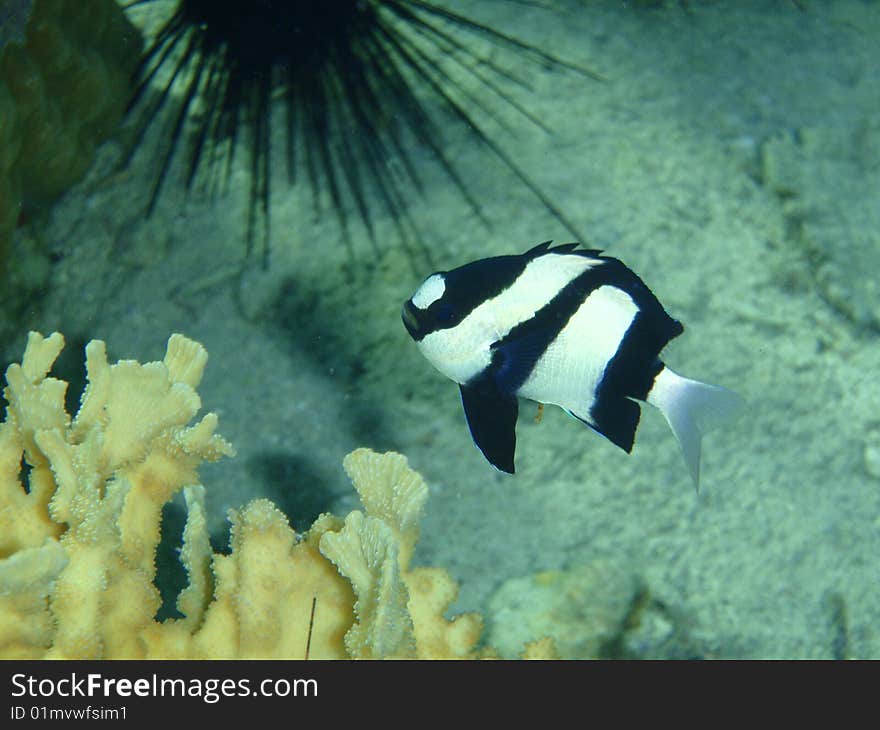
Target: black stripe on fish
{"x":517,"y":353}
{"x":631,"y":371}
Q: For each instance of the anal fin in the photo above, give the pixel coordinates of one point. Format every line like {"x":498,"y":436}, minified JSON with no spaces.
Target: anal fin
{"x":616,"y":419}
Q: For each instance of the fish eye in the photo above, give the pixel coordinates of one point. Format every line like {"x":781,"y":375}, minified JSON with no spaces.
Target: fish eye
{"x":445,"y":313}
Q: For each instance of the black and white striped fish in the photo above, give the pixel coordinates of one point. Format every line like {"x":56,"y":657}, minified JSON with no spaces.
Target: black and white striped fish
{"x":558,"y":325}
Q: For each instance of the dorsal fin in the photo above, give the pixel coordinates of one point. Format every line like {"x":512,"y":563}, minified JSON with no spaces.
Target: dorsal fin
{"x":562,"y":248}
{"x":536,"y":251}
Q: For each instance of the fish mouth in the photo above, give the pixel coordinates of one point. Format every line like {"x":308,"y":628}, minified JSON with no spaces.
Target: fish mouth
{"x":410,"y":321}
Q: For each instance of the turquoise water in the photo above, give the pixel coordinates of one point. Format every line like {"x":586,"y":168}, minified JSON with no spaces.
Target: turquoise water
{"x":731,"y":157}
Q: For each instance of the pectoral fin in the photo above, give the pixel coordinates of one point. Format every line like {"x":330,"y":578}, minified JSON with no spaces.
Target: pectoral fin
{"x":491,"y":416}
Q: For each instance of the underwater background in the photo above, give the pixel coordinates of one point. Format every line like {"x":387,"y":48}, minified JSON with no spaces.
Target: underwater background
{"x":728,"y":152}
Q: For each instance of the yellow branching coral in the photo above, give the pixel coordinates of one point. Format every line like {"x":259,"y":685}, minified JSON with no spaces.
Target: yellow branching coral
{"x":399,"y":610}
{"x":96,"y":488}
{"x":78,"y":540}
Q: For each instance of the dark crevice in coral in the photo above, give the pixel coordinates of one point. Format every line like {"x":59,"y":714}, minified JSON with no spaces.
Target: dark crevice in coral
{"x":24,"y":475}
{"x":70,"y":367}
{"x":171,"y":576}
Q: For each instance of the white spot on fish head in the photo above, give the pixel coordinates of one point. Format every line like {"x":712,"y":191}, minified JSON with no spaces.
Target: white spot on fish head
{"x":429,"y":292}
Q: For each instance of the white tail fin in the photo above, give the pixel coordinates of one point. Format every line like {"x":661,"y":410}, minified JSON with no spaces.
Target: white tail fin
{"x":692,"y":408}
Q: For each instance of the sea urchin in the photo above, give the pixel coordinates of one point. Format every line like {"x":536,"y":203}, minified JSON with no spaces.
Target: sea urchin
{"x":358,"y":82}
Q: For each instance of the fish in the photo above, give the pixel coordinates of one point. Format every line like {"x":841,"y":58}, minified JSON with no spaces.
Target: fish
{"x":561,"y":325}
